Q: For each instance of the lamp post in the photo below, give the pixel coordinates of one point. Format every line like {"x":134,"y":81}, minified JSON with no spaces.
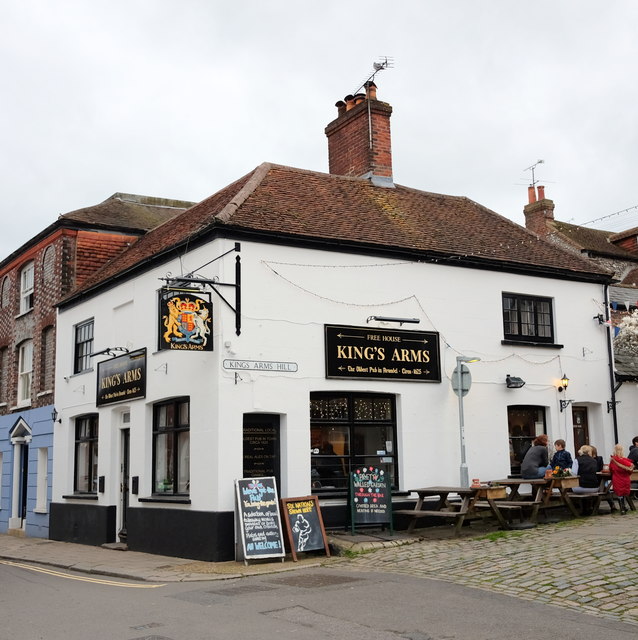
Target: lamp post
{"x":461,"y":382}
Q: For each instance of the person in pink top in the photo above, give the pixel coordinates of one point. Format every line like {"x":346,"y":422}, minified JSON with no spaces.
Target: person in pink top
{"x":620,"y":469}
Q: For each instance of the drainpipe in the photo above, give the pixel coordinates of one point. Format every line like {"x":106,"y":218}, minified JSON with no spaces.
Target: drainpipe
{"x":610,"y":353}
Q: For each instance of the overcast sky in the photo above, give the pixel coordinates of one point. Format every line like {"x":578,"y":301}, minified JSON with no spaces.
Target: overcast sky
{"x":177,"y":98}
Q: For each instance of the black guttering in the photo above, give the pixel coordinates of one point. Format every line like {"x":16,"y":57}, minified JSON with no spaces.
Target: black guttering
{"x":344,"y":246}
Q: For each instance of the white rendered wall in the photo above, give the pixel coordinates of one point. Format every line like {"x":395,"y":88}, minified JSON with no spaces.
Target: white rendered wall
{"x":288,"y":295}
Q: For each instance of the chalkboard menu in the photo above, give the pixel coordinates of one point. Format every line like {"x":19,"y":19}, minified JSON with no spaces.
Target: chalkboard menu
{"x":370,"y":497}
{"x":261,"y":448}
{"x":259,"y":522}
{"x":304,"y":525}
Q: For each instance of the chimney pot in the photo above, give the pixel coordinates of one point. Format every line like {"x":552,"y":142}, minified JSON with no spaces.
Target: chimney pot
{"x":359,"y":98}
{"x":371,"y":90}
{"x":349,"y":102}
{"x":531,"y":194}
{"x":341,"y":107}
{"x":541,"y":193}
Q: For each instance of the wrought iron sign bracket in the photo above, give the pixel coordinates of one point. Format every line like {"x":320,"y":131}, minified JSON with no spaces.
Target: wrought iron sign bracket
{"x":190,"y":280}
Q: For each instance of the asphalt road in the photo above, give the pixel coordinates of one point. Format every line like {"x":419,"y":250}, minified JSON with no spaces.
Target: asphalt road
{"x":41,"y":603}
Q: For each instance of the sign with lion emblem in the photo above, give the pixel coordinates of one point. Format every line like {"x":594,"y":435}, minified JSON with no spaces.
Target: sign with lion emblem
{"x":185,"y":319}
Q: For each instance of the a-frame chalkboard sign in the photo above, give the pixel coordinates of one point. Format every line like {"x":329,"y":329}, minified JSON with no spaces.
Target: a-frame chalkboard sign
{"x":370,"y":497}
{"x":304,"y":525}
{"x":258,"y":520}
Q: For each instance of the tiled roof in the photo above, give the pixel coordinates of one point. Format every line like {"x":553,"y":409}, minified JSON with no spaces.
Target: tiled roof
{"x":287,"y":203}
{"x":591,"y":240}
{"x":129,"y":211}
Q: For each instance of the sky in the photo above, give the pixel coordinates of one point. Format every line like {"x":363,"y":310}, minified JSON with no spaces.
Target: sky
{"x":178,"y":98}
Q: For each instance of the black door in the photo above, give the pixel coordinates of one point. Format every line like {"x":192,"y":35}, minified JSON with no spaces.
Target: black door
{"x":24,"y":481}
{"x":124,"y":488}
{"x":261,"y":446}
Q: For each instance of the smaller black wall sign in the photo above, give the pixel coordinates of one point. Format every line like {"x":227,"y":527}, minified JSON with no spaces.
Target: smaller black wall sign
{"x":122,"y":378}
{"x":382,"y":354}
{"x":185,"y":318}
{"x":259,"y":519}
{"x":304,"y":525}
{"x":370,"y":497}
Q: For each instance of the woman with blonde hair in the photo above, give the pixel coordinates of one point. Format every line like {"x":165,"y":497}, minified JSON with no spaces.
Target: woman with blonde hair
{"x":620,"y":469}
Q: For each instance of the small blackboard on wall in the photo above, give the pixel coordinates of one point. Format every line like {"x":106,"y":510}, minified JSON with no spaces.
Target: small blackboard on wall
{"x":258,"y":519}
{"x":304,"y":525}
{"x":370,"y":497}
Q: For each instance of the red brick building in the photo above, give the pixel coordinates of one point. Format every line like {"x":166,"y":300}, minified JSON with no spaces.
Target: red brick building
{"x":32,"y":279}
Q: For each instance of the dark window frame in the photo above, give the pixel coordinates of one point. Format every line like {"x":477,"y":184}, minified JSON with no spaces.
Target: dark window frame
{"x":172,"y":433}
{"x":83,"y":337}
{"x":542,"y":320}
{"x":86,"y":433}
{"x":354,"y":458}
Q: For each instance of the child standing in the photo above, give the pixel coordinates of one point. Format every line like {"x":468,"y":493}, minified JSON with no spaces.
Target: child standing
{"x":561,"y":458}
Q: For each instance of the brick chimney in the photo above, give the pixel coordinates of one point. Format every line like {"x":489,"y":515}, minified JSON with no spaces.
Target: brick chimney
{"x":538,"y":211}
{"x":359,"y":139}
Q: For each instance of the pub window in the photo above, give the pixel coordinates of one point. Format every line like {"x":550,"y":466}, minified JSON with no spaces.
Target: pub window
{"x":26,"y":288}
{"x":527,"y":318}
{"x":171,"y":447}
{"x":83,"y":346}
{"x":86,"y":458}
{"x":25,"y":372}
{"x":349,"y":430}
{"x":524,"y":422}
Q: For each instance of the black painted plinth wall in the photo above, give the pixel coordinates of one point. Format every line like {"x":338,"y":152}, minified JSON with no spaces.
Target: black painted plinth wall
{"x":82,"y":523}
{"x":199,"y":535}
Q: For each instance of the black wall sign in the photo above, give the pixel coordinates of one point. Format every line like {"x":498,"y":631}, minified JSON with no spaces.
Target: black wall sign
{"x":259,"y":520}
{"x":185,"y":317}
{"x":382,"y":354}
{"x":304,"y":525}
{"x":370,"y":497}
{"x":261,"y":446}
{"x":122,"y":378}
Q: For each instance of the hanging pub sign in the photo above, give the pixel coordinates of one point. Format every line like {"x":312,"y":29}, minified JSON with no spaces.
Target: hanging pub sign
{"x":185,"y":317}
{"x":382,"y":354}
{"x":121,"y":378}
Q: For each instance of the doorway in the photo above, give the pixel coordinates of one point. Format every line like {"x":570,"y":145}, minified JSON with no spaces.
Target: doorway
{"x":124,"y":483}
{"x":262,"y":446}
{"x":581,"y":427}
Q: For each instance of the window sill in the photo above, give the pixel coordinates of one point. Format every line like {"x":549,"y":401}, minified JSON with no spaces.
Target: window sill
{"x":48,"y":392}
{"x":168,"y":499}
{"x":25,"y":405}
{"x":81,"y":496}
{"x":525,"y":343}
{"x":40,"y":511}
{"x":23,"y":313}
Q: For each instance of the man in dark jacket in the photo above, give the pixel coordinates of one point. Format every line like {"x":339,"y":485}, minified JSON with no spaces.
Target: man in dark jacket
{"x":633,"y":451}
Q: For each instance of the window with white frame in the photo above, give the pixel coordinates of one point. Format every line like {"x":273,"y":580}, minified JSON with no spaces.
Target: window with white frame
{"x":86,"y":450}
{"x":25,"y":372}
{"x":42,"y":480}
{"x":83,"y":346}
{"x":171,"y":447}
{"x":5,"y":293}
{"x":26,"y":288}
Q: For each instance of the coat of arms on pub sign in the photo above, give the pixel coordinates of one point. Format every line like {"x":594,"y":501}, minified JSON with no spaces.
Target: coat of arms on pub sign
{"x":185,"y":319}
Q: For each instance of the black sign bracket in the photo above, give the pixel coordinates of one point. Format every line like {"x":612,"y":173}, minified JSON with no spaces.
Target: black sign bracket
{"x":190,"y":279}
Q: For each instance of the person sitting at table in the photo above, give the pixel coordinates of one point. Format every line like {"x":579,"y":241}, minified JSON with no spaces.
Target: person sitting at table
{"x":535,"y":462}
{"x":586,"y":468}
{"x":562,"y":458}
{"x":620,"y":469}
{"x":599,"y":459}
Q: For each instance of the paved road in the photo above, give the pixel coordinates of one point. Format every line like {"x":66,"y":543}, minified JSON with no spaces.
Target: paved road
{"x":587,"y":565}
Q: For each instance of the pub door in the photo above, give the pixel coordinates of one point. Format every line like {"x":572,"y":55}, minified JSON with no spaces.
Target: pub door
{"x":124,"y":482}
{"x":262,"y":453}
{"x":581,"y":428}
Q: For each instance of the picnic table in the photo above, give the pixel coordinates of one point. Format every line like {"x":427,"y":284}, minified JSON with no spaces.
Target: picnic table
{"x":503,"y":504}
{"x":442,"y":507}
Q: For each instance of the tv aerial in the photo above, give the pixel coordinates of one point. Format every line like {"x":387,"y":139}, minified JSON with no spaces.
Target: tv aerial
{"x":532,"y":168}
{"x":385,"y":62}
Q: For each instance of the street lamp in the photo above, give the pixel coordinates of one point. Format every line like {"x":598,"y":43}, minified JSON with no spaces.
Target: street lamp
{"x":461,"y":382}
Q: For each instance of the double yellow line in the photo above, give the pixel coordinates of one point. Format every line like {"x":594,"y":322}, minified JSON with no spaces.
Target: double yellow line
{"x":68,"y":576}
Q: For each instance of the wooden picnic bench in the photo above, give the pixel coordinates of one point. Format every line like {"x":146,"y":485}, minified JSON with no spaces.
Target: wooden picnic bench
{"x":442,"y":508}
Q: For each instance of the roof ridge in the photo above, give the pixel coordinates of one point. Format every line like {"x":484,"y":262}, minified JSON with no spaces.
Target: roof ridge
{"x":242,"y":195}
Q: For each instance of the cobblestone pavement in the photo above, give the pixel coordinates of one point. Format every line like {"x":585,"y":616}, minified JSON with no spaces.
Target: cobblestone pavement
{"x":589,"y":565}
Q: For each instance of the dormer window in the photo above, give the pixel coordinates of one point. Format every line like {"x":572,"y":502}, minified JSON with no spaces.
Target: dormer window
{"x":26,"y":288}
